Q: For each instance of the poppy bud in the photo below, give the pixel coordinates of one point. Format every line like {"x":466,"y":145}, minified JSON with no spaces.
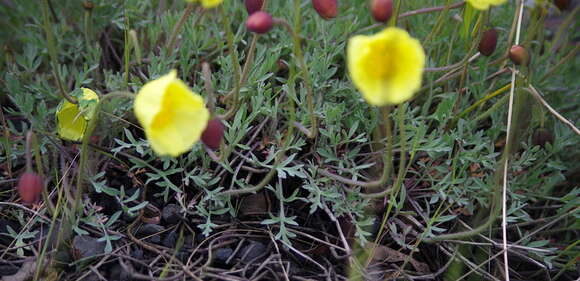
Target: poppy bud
{"x":253,"y":6}
{"x":29,"y":187}
{"x":519,"y":55}
{"x":259,"y":22}
{"x":542,"y":136}
{"x":563,"y":4}
{"x":382,"y":10}
{"x":327,"y":9}
{"x":88,"y":5}
{"x":213,"y":134}
{"x":488,"y":42}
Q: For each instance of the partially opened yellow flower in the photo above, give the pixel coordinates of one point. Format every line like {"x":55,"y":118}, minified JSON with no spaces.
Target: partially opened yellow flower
{"x":207,"y":3}
{"x":484,"y":4}
{"x":72,"y":119}
{"x":386,"y":67}
{"x":172,"y":116}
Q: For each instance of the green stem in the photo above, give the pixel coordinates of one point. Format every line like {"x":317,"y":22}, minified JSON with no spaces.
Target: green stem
{"x":492,"y":109}
{"x":249,"y":60}
{"x":564,"y":60}
{"x":126,"y":51}
{"x":234,"y":102}
{"x":395,"y":17}
{"x":85,"y":143}
{"x":313,"y":132}
{"x":400,"y":175}
{"x":439,"y":22}
{"x":209,"y":92}
{"x":494,"y":213}
{"x":478,"y":103}
{"x":402,"y":167}
{"x":51,"y":45}
{"x":47,"y":242}
{"x":387,"y":165}
{"x":7,"y":143}
{"x":278,"y":159}
{"x":178,"y":26}
{"x":28,"y":153}
{"x":32,"y":142}
{"x":87,"y":26}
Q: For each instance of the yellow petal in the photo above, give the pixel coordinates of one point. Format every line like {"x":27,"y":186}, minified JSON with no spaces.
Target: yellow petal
{"x":71,"y":120}
{"x":71,"y":125}
{"x":386,"y":67}
{"x":172,"y":116}
{"x":484,"y":4}
{"x":207,"y":3}
{"x":149,"y":99}
{"x":91,"y":99}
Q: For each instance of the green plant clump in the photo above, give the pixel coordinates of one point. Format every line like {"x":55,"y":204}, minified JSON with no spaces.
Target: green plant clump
{"x":325,"y":146}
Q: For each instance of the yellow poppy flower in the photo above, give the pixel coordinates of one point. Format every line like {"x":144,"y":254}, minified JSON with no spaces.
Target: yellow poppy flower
{"x":72,"y":119}
{"x":207,"y":3}
{"x":172,"y":116}
{"x":484,"y":4}
{"x":386,"y":67}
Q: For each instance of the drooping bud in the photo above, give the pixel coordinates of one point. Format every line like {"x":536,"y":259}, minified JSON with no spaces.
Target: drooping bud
{"x":563,"y":4}
{"x":213,"y":134}
{"x":488,"y":42}
{"x":327,"y":9}
{"x":88,"y":5}
{"x":253,"y":6}
{"x":30,"y":187}
{"x":519,"y":55}
{"x":259,"y":22}
{"x":542,"y":136}
{"x":382,"y":10}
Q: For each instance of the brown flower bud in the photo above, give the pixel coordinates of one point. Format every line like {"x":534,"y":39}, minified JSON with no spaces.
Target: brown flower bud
{"x":253,"y":6}
{"x":488,"y":42}
{"x":382,"y":10}
{"x":563,"y":4}
{"x":542,"y":136}
{"x":259,"y":22}
{"x":88,"y":5}
{"x":519,"y":55}
{"x":30,"y":187}
{"x":327,"y":9}
{"x":213,"y":134}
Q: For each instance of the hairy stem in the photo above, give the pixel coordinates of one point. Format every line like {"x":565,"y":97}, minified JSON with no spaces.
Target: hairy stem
{"x":51,"y":45}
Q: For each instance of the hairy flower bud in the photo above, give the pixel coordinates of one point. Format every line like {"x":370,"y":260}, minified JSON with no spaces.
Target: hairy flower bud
{"x":382,"y":10}
{"x":88,"y":5}
{"x":213,"y":134}
{"x":519,"y":55}
{"x":327,"y":9}
{"x":542,"y":136}
{"x":253,"y":6}
{"x":563,"y":4}
{"x":259,"y":22}
{"x":30,"y":187}
{"x":488,"y":42}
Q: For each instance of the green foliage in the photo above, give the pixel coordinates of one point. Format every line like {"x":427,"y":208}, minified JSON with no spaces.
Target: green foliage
{"x":453,"y":162}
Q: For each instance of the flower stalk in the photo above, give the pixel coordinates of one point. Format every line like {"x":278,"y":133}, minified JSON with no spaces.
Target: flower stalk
{"x":177,"y":28}
{"x":387,"y":165}
{"x":295,"y":32}
{"x":77,"y":206}
{"x":51,"y":45}
{"x":234,"y":95}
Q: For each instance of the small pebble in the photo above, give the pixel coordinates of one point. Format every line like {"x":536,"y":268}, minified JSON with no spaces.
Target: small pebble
{"x":87,"y":246}
{"x":152,"y":231}
{"x":170,"y":214}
